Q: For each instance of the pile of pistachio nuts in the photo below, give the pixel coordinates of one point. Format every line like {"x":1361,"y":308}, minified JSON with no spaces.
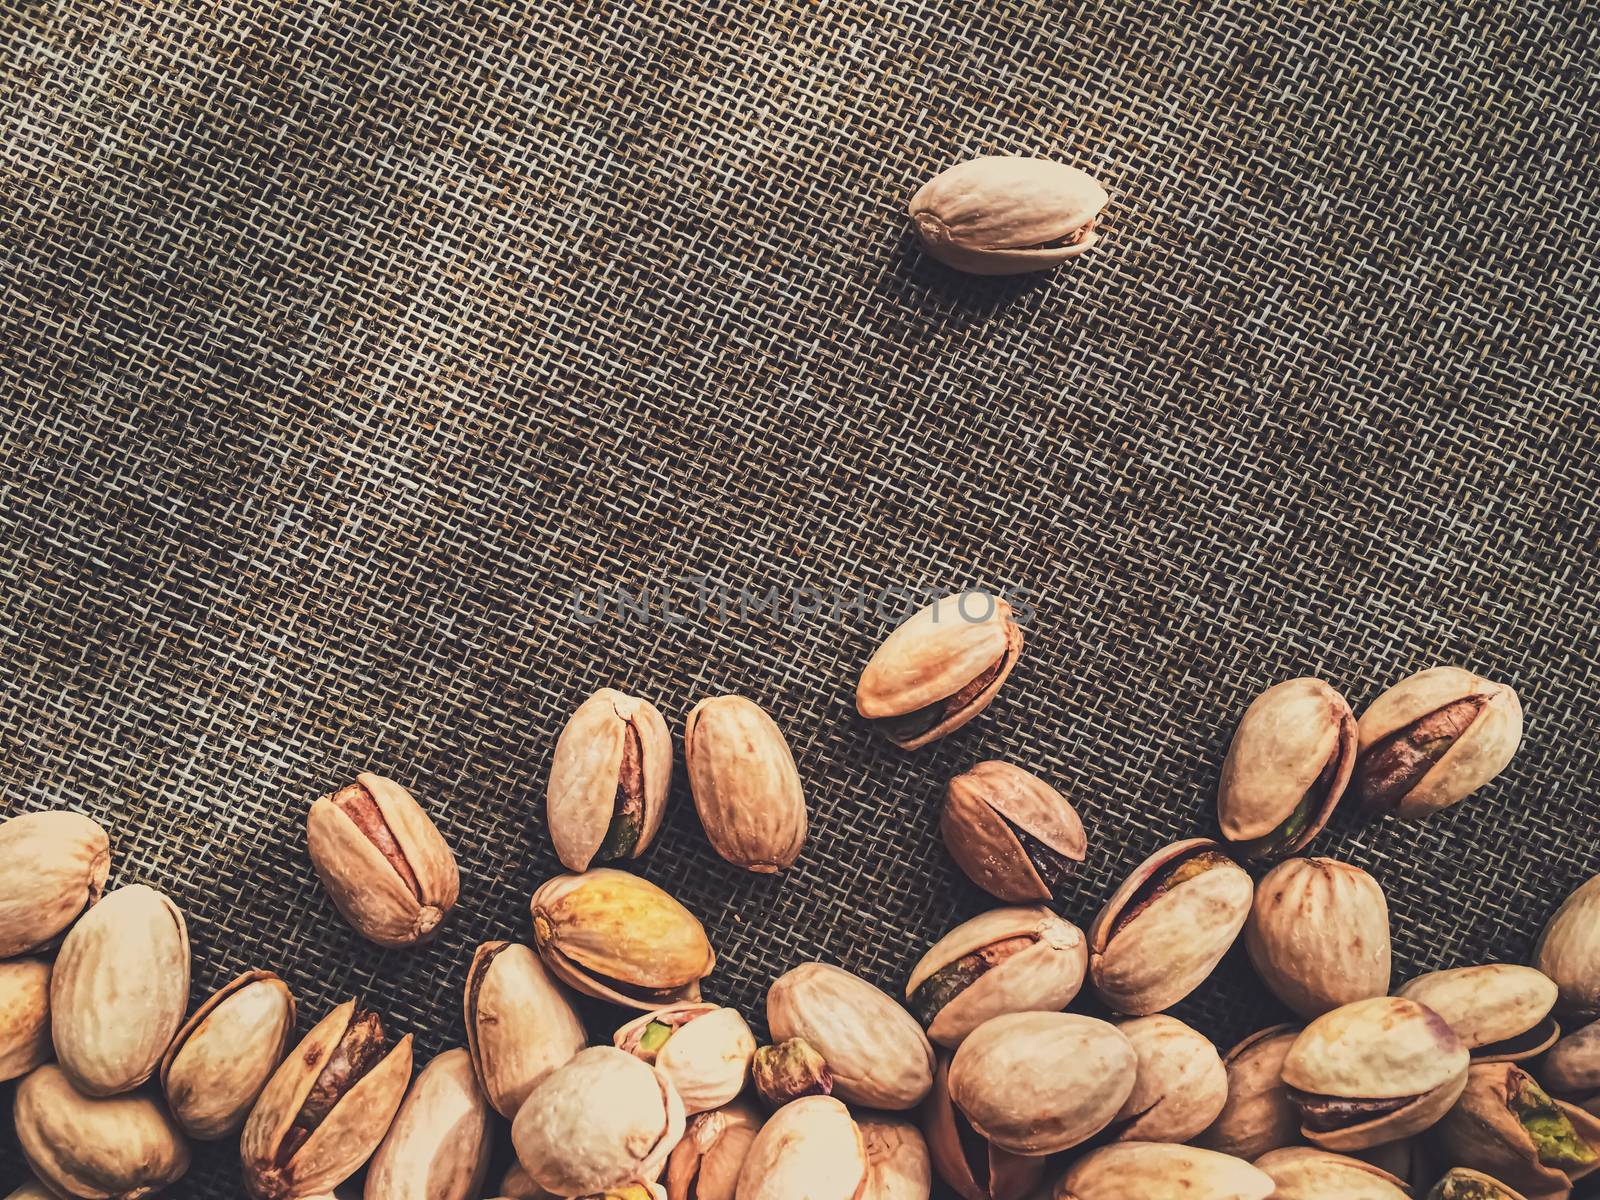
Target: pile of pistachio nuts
{"x":1458,"y":1085}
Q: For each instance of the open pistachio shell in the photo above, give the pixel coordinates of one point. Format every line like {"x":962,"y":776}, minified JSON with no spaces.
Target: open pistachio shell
{"x":705,"y":1165}
{"x":520,"y":1024}
{"x":225,"y":1053}
{"x":1301,"y":1173}
{"x":1500,"y":1010}
{"x":1569,"y":952}
{"x":809,"y":1149}
{"x":1161,"y":1171}
{"x":1505,"y":1125}
{"x":966,"y":1160}
{"x":1462,"y":1183}
{"x":1180,"y":1085}
{"x":52,"y":867}
{"x":706,"y":1050}
{"x":609,"y":780}
{"x":1013,"y":834}
{"x":1258,"y":1116}
{"x":1318,"y":934}
{"x":438,"y":1146}
{"x":897,"y":1160}
{"x":24,"y":1016}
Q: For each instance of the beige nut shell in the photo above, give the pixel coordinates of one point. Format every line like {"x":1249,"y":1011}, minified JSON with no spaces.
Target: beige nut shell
{"x":1179,"y":1087}
{"x":1161,"y":1171}
{"x":1569,"y":951}
{"x":1257,"y":1117}
{"x":1491,"y":1004}
{"x":707,"y":1162}
{"x":707,"y":1058}
{"x":438,"y":1145}
{"x":1302,"y":1173}
{"x":52,"y":867}
{"x":24,"y":1016}
{"x":520,"y":1024}
{"x":810,"y":1149}
{"x":746,"y":788}
{"x":980,"y":808}
{"x":898,"y":1167}
{"x":582,"y":793}
{"x":223,"y":1056}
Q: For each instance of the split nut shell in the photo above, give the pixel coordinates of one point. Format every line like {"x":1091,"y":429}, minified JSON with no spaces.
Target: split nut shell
{"x":1501,"y":1011}
{"x":704,"y":1049}
{"x":520,"y":1024}
{"x":609,"y":780}
{"x":705,"y":1165}
{"x":1258,"y":1116}
{"x":224,"y":1055}
{"x":1010,"y":832}
{"x":1180,"y":1085}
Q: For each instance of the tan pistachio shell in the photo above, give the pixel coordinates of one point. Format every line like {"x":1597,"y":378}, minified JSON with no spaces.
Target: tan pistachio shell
{"x":1257,"y":1116}
{"x":52,"y":867}
{"x":1569,"y":952}
{"x":582,"y":796}
{"x":984,"y":808}
{"x":705,"y":1165}
{"x":898,"y":1167}
{"x":1572,"y":1067}
{"x":1042,"y":978}
{"x":520,"y":1024}
{"x":1036,"y":1083}
{"x":810,"y":1149}
{"x":225,"y":1053}
{"x":1180,"y":1084}
{"x":875,"y":1049}
{"x":707,"y":1057}
{"x":1161,"y":1171}
{"x":438,"y":1146}
{"x":32,"y":1191}
{"x":1318,"y":934}
{"x":1168,"y":949}
{"x":515,"y":1185}
{"x":24,"y":1016}
{"x":1301,"y":1173}
{"x":990,"y":1173}
{"x":746,"y":788}
{"x":1483,"y":1133}
{"x":1462,"y":1183}
{"x":1500,"y":1010}
{"x":119,"y":989}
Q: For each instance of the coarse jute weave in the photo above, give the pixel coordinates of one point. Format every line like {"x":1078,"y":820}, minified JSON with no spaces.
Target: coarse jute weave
{"x":349,"y":350}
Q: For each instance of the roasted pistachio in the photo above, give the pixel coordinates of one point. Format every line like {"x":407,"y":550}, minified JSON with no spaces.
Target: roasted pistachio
{"x":1013,"y":834}
{"x":520,"y":1024}
{"x":1569,"y":952}
{"x":52,"y":866}
{"x":438,"y":1146}
{"x":515,"y":1185}
{"x":1572,"y":1068}
{"x":1301,"y":1173}
{"x":705,"y":1165}
{"x":1460,"y":1183}
{"x":1434,"y":739}
{"x":808,"y":1150}
{"x":1318,"y":934}
{"x":24,"y":1016}
{"x":609,"y":780}
{"x":966,"y":1160}
{"x":746,"y":788}
{"x":1166,"y":928}
{"x":897,"y":1160}
{"x":705,"y":1050}
{"x":1258,"y":1116}
{"x":225,"y":1053}
{"x":1161,"y":1171}
{"x":1179,"y":1087}
{"x":939,"y":669}
{"x":1506,"y":1125}
{"x":1501,"y":1011}
{"x":790,"y":1070}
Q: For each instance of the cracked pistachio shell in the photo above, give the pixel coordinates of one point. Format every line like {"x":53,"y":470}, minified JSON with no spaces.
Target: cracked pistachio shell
{"x":707,"y":1056}
{"x":52,"y":867}
{"x":971,"y":1164}
{"x":1257,"y":1116}
{"x":1147,"y":951}
{"x":1179,"y":1087}
{"x":1360,"y":1055}
{"x":939,"y":669}
{"x":875,"y":1049}
{"x":1161,"y":1171}
{"x":614,"y":754}
{"x":1569,"y":952}
{"x":1006,"y":215}
{"x":1286,"y":769}
{"x":119,"y":989}
{"x":438,"y":1146}
{"x":1500,"y":1010}
{"x":1318,"y":934}
{"x":520,"y":1024}
{"x":1462,"y":1183}
{"x":1432,"y":740}
{"x":599,"y":1121}
{"x":620,"y":938}
{"x":1484,"y":1132}
{"x":705,"y":1165}
{"x":810,"y":1149}
{"x":897,"y":1160}
{"x":1301,"y":1173}
{"x":24,"y":1016}
{"x":225,"y":1053}
{"x":1572,"y":1067}
{"x":746,"y":788}
{"x":1010,"y":832}
{"x":383,"y":861}
{"x":1005,"y":960}
{"x":115,"y":1148}
{"x":1035,"y":1083}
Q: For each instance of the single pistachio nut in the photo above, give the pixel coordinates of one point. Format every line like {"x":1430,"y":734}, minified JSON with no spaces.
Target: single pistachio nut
{"x":223,"y":1056}
{"x":1301,"y":1173}
{"x":1462,"y":1183}
{"x":515,"y":1185}
{"x":609,"y":780}
{"x":1161,"y":1171}
{"x":970,"y":1163}
{"x":1036,"y":1083}
{"x":875,"y":1049}
{"x":1434,"y":739}
{"x":897,"y":1160}
{"x":1318,"y":934}
{"x":705,"y":1165}
{"x":1167,"y":927}
{"x":52,"y":867}
{"x":620,"y":938}
{"x":1179,"y":1087}
{"x":1507,"y":1126}
{"x":1258,"y":1116}
{"x":24,"y":1016}
{"x":115,"y":1148}
{"x":1500,"y":1010}
{"x":438,"y":1146}
{"x":1571,"y":1069}
{"x":704,"y":1049}
{"x":790,"y":1070}
{"x":119,"y":989}
{"x":808,"y":1150}
{"x":600,"y":1120}
{"x":1286,"y":769}
{"x":746,"y":788}
{"x":1001,"y":214}
{"x":1569,"y":952}
{"x":326,"y":1107}
{"x":1374,"y":1071}
{"x":939,"y":669}
{"x":520,"y":1024}
{"x":1010,"y":832}
{"x":382,"y":860}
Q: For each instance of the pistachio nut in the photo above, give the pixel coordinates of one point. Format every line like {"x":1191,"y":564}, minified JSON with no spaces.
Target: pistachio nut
{"x":897,"y":1160}
{"x":1571,"y":1069}
{"x":515,"y":1185}
{"x":1500,"y":1010}
{"x":52,"y":866}
{"x":875,"y":1049}
{"x":438,"y":1146}
{"x":790,"y":1070}
{"x":520,"y":1023}
{"x":1005,"y":960}
{"x":1258,"y":1116}
{"x":382,"y":860}
{"x":1374,"y":1071}
{"x":1012,"y":834}
{"x":1434,"y":739}
{"x":1005,"y":215}
{"x":1161,"y":1171}
{"x":1179,"y":1087}
{"x":1286,"y":769}
{"x":1569,"y":952}
{"x":1166,"y":928}
{"x":939,"y":669}
{"x":704,"y":1049}
{"x":609,"y":780}
{"x":600,"y":1120}
{"x":1301,"y":1173}
{"x":118,"y":990}
{"x":746,"y":788}
{"x":966,"y":1160}
{"x":326,"y":1107}
{"x":705,"y":1165}
{"x":1407,"y":1160}
{"x":24,"y":1016}
{"x":1507,"y":1126}
{"x":1035,"y":1083}
{"x":116,"y":1148}
{"x":32,"y":1191}
{"x":808,"y":1150}
{"x":1318,"y":934}
{"x":223,"y":1056}
{"x":1462,"y":1183}
{"x":620,"y":938}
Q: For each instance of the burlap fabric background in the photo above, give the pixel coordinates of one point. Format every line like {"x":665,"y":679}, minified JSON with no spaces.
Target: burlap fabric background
{"x":347,"y":348}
